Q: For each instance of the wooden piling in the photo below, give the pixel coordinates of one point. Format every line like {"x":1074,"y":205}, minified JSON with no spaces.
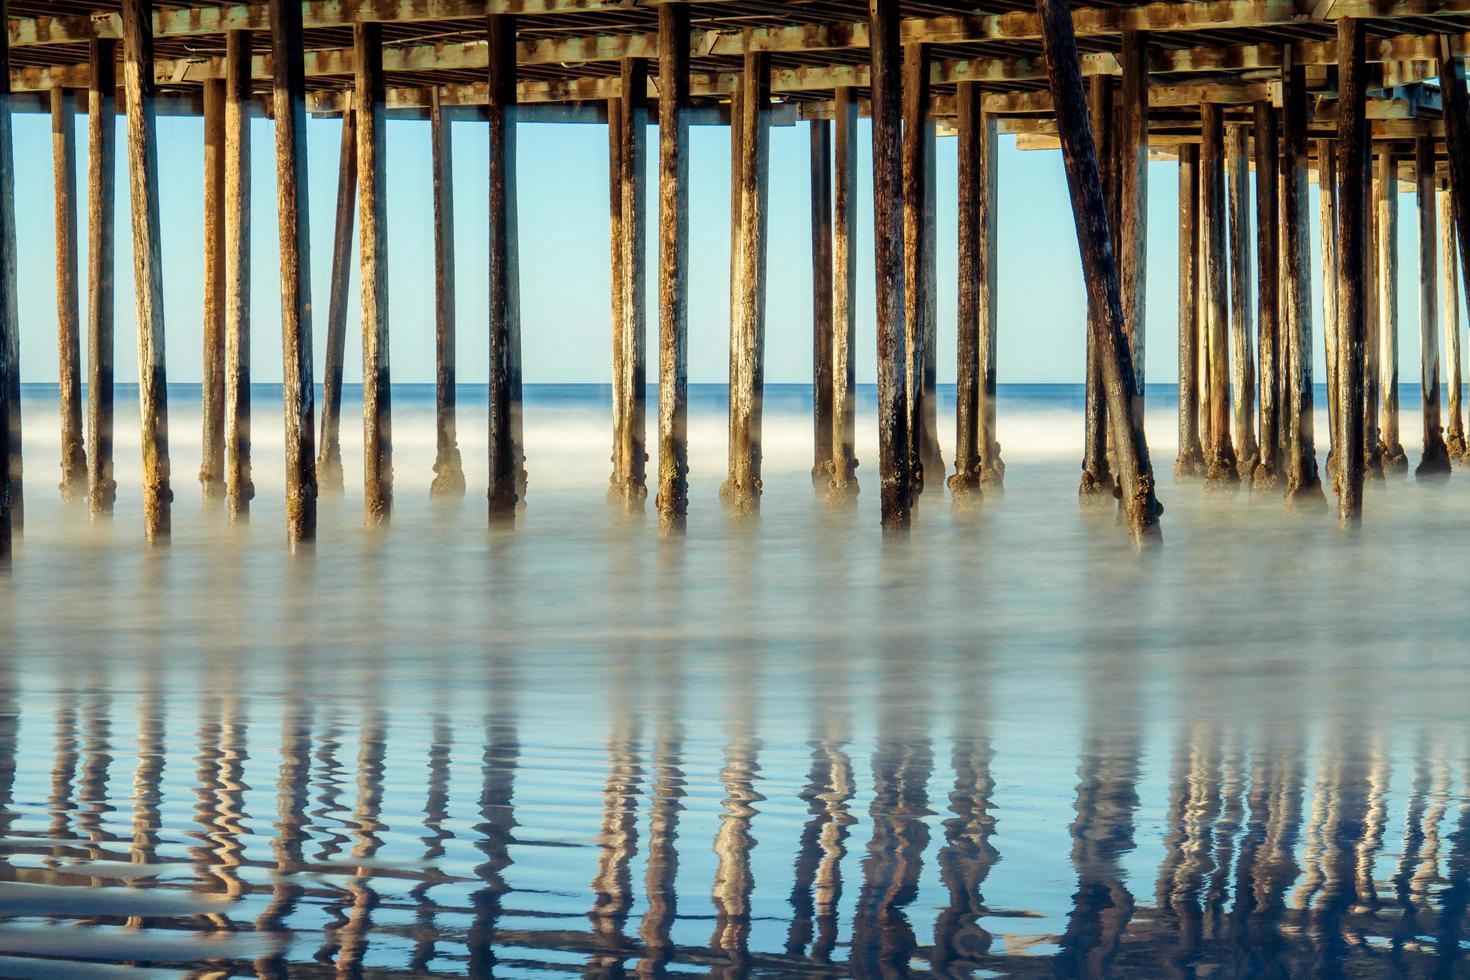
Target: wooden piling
{"x":1089,"y":210}
{"x":448,"y":467}
{"x":372,"y":217}
{"x":844,"y":486}
{"x":1457,"y":145}
{"x":918,"y":230}
{"x":743,"y":488}
{"x":821,"y":209}
{"x":1373,"y":304}
{"x":212,"y":370}
{"x":1242,"y":359}
{"x":1219,"y":453}
{"x":1303,"y":487}
{"x":68,"y":312}
{"x":101,"y":205}
{"x":329,"y":455}
{"x":297,"y":390}
{"x":507,"y":472}
{"x":628,"y":485}
{"x":1268,"y":319}
{"x":1191,"y":460}
{"x":1132,"y":194}
{"x":1097,"y":481}
{"x":1327,"y":225}
{"x":1352,"y":259}
{"x":1435,"y":461}
{"x":992,"y":467}
{"x":964,"y":484}
{"x":138,"y":78}
{"x":1390,"y":448}
{"x":672,"y":499}
{"x":239,"y":488}
{"x":10,"y":487}
{"x":894,"y":472}
{"x":1450,"y":303}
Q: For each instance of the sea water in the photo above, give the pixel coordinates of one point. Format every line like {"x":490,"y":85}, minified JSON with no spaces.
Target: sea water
{"x":1002,"y":744}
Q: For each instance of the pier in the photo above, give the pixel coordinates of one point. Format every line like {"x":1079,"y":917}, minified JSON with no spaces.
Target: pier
{"x":1367,"y":99}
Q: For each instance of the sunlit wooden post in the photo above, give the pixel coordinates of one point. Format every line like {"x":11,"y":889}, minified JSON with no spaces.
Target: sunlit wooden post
{"x":239,"y":488}
{"x":1327,"y":223}
{"x":1268,"y":309}
{"x":844,"y":486}
{"x":212,"y":370}
{"x":821,"y":208}
{"x":137,"y":20}
{"x":507,"y":472}
{"x":1097,"y":479}
{"x":101,"y":205}
{"x":448,"y":467}
{"x":372,"y":218}
{"x":894,"y":473}
{"x":10,"y":496}
{"x":1457,"y":145}
{"x":1450,"y":304}
{"x":1242,"y":361}
{"x":1132,"y":210}
{"x":68,"y":312}
{"x":1436,"y":458}
{"x":672,"y":499}
{"x":1191,"y":459}
{"x":1214,"y":318}
{"x":629,"y":138}
{"x":329,"y":454}
{"x":1302,"y":483}
{"x":1352,"y":259}
{"x":918,"y":154}
{"x":1395,"y":460}
{"x":1089,"y":210}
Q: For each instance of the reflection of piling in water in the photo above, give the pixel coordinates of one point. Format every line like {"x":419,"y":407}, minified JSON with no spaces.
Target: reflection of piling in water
{"x":495,"y":831}
{"x":612,"y":887}
{"x":147,"y":778}
{"x":63,"y":769}
{"x":1189,"y":859}
{"x":1266,"y":864}
{"x":734,"y":841}
{"x":436,"y":811}
{"x":967,"y":856}
{"x":663,"y":857}
{"x":367,"y":833}
{"x":293,"y":792}
{"x":818,"y":885}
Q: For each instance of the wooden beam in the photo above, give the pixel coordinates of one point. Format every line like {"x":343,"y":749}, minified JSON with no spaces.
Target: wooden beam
{"x":1303,"y":487}
{"x":1089,"y":210}
{"x":101,"y":203}
{"x":212,"y":371}
{"x":297,"y":390}
{"x":1268,"y":470}
{"x":10,"y":497}
{"x":329,"y":457}
{"x":1352,"y":177}
{"x":68,"y":312}
{"x":1435,"y":461}
{"x":448,"y":468}
{"x":844,"y":277}
{"x":821,"y":213}
{"x":1191,"y":461}
{"x":372,"y":216}
{"x":507,"y":476}
{"x":1242,"y":357}
{"x":894,"y":472}
{"x":672,"y":499}
{"x":147,"y":265}
{"x":239,"y":487}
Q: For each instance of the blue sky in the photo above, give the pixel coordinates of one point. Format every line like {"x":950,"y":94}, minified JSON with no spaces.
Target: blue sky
{"x":564,"y":256}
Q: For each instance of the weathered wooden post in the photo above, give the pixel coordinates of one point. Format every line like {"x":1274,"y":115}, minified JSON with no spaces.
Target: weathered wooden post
{"x":372,"y":217}
{"x":1097,"y":481}
{"x":1457,"y":145}
{"x":212,"y":372}
{"x":1132,"y":206}
{"x":1352,"y":166}
{"x":888,"y":257}
{"x":1089,"y":209}
{"x":918,"y":232}
{"x":1219,"y":453}
{"x":1327,"y":223}
{"x":1268,"y":314}
{"x":1450,"y":293}
{"x":10,"y":495}
{"x":844,"y":486}
{"x":1373,"y":303}
{"x":629,"y":219}
{"x":1191,"y":459}
{"x":1386,"y":201}
{"x":743,"y":488}
{"x":239,"y":488}
{"x":992,"y":467}
{"x":507,"y":472}
{"x":1242,"y":365}
{"x":821,"y":208}
{"x":964,"y":485}
{"x":672,"y":499}
{"x":329,"y":454}
{"x":448,"y":467}
{"x":1302,"y":483}
{"x":137,"y":20}
{"x":68,"y":312}
{"x":1436,"y":458}
{"x":101,"y":204}
{"x":297,"y":391}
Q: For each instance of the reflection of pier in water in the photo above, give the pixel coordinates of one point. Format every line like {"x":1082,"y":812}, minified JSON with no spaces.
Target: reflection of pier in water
{"x":1270,"y":866}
